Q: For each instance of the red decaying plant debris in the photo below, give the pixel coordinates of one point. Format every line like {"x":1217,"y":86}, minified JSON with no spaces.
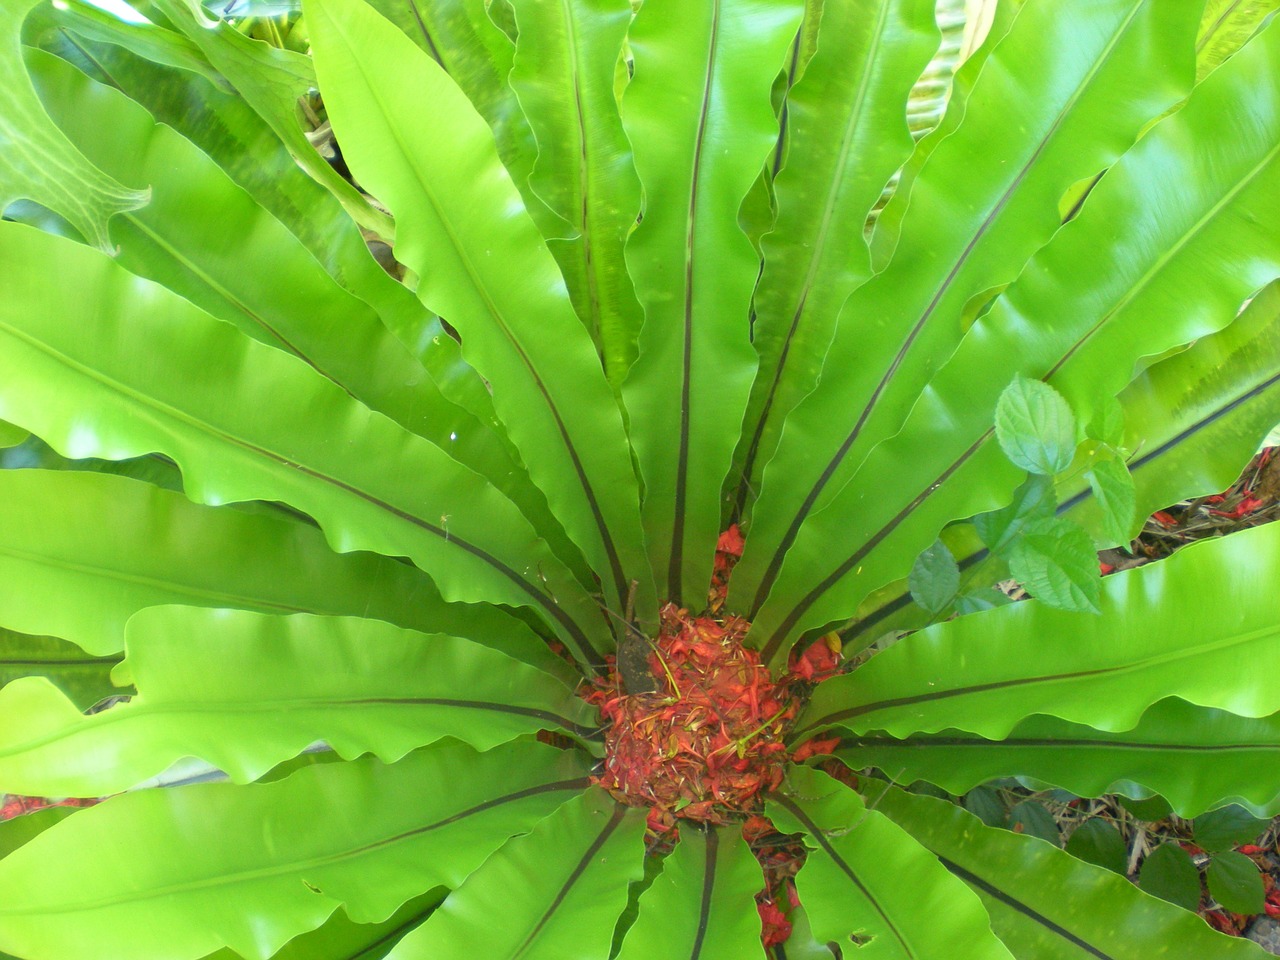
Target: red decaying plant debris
{"x":708,"y":745}
{"x":12,"y":805}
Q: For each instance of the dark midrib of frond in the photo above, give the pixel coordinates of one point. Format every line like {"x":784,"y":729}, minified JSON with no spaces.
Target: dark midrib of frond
{"x":903,"y":600}
{"x":712,"y":852}
{"x":1017,"y":905}
{"x":489,"y":705}
{"x":675,"y":569}
{"x":619,"y":812}
{"x":816,"y":833}
{"x":908,"y":342}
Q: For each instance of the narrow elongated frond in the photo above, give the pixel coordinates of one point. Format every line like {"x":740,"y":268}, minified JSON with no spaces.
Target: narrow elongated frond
{"x":83,"y":552}
{"x":1191,"y":422}
{"x":1074,"y":910}
{"x":205,"y":238}
{"x":226,"y":409}
{"x":565,"y":68}
{"x":584,"y":856}
{"x":82,"y":677}
{"x":260,"y":864}
{"x":1194,"y":757}
{"x":1156,"y":637}
{"x":245,"y":691}
{"x":847,"y":135}
{"x":866,"y":877}
{"x":1196,"y":203}
{"x":701,"y":905}
{"x":1062,"y":96}
{"x":699,"y":117}
{"x":271,"y":81}
{"x":484,"y":267}
{"x":473,"y":49}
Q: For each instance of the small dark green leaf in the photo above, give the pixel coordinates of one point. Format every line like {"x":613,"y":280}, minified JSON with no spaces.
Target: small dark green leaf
{"x":1056,"y":561}
{"x":1113,"y":487}
{"x":984,"y":598}
{"x":1096,"y":841}
{"x":935,"y":578}
{"x":984,"y":803}
{"x":1035,"y":427}
{"x":1234,"y":881}
{"x":1032,"y":819}
{"x":1225,"y":827}
{"x":1169,"y":874}
{"x":1150,"y":809}
{"x":1032,"y":501}
{"x":17,"y":831}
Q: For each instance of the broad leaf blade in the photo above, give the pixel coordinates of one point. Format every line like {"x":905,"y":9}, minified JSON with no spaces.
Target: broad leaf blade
{"x":584,"y":855}
{"x":700,"y":120}
{"x":701,"y":905}
{"x":125,"y":877}
{"x":1074,"y":910}
{"x":82,"y":552}
{"x":201,"y":236}
{"x":1195,"y":757}
{"x":485,"y":268}
{"x":846,"y":134}
{"x":1095,"y":72}
{"x":1192,"y":251}
{"x":865,"y":876}
{"x":1180,"y":627}
{"x":564,"y":73}
{"x":361,"y":686}
{"x":71,"y":373}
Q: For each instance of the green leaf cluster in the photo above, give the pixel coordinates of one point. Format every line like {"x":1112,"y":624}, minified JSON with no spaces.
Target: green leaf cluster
{"x":349,"y":541}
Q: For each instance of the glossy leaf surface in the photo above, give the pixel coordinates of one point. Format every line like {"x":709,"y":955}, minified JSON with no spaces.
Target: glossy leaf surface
{"x":76,"y":384}
{"x":251,"y":862}
{"x":985,"y":672}
{"x":1074,"y":911}
{"x":85,"y":551}
{"x":865,"y":876}
{"x":210,"y":680}
{"x":584,"y":855}
{"x":700,"y":121}
{"x":461,"y":225}
{"x":1195,"y":757}
{"x":702,"y":904}
{"x":1184,"y":277}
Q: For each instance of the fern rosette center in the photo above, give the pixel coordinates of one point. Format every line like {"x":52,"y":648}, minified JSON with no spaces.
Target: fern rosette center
{"x":709,"y":741}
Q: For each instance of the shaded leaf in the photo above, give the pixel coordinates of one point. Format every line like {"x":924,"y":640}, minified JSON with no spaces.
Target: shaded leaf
{"x":1114,"y":491}
{"x":83,"y":678}
{"x":1031,"y":818}
{"x":1235,"y":883}
{"x":1169,"y":874}
{"x":1226,"y":827}
{"x":1073,"y":909}
{"x":1032,"y":502}
{"x":1097,"y":841}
